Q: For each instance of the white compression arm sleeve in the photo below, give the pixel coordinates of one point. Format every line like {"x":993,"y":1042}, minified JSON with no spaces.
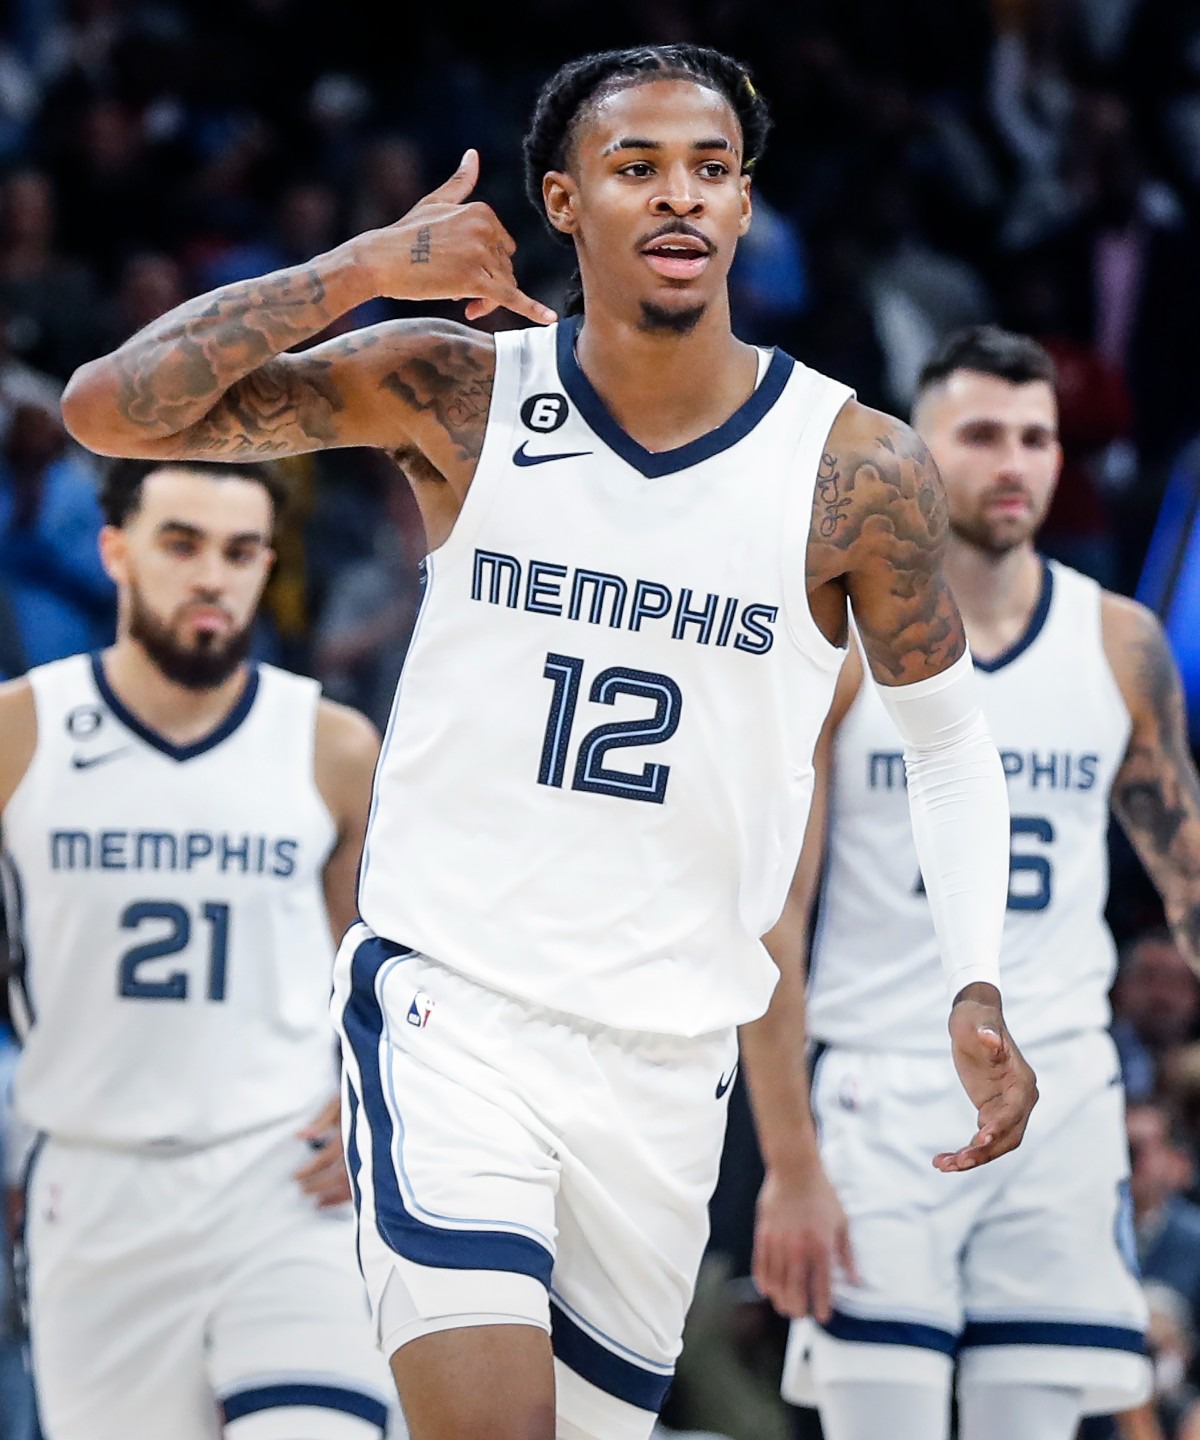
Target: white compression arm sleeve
{"x":958,"y":804}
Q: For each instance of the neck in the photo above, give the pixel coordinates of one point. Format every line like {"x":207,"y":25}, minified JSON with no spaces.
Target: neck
{"x":996,"y":594}
{"x":649,"y":379}
{"x":177,"y":713}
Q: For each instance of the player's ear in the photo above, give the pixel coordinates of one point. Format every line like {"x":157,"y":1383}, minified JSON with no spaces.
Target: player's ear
{"x":747,"y":206}
{"x":560,"y":195}
{"x":114,"y":552}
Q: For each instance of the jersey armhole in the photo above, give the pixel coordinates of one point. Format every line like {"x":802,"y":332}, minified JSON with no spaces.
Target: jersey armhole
{"x":802,"y":628}
{"x":502,"y":411}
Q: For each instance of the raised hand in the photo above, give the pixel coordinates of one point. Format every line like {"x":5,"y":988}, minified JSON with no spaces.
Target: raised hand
{"x":449,"y":248}
{"x":994,"y":1074}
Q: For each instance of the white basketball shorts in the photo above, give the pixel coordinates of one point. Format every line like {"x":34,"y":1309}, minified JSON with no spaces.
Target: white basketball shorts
{"x":167,"y":1291}
{"x":517,"y":1165}
{"x":1024,"y":1270}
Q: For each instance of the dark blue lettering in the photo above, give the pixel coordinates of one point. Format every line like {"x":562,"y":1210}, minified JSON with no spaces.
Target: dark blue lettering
{"x":644,"y":592}
{"x":704,"y":619}
{"x":755,"y":638}
{"x":542,"y":596}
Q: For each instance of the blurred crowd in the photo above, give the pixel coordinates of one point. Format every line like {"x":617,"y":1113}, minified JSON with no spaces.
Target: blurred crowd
{"x":934,"y":164}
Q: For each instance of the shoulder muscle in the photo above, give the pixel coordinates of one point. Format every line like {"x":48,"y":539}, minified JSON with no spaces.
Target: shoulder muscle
{"x":878,"y":529}
{"x":18,"y":735}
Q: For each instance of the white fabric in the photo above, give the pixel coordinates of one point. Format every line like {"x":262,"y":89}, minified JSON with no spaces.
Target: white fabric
{"x":210,"y":866}
{"x":512,"y":836}
{"x":1062,"y":728}
{"x":475,"y":1123}
{"x":958,"y":804}
{"x":896,"y":1409}
{"x":1041,"y":1238}
{"x":163,"y":1285}
{"x":1034,"y":1412}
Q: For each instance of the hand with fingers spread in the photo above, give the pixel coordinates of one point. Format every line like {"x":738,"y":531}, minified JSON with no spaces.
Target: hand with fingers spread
{"x":801,"y":1239}
{"x":449,"y":248}
{"x":324,"y":1177}
{"x":994,"y":1074}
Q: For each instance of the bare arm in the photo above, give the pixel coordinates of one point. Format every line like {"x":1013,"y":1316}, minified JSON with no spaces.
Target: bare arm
{"x":878,"y":533}
{"x":1156,"y":795}
{"x":801,"y":1231}
{"x":210,"y":380}
{"x":347,"y":748}
{"x":18,"y":735}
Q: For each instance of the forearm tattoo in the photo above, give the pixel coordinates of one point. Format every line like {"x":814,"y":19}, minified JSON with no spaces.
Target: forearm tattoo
{"x":880,"y":512}
{"x":170,"y":373}
{"x":1157,"y":793}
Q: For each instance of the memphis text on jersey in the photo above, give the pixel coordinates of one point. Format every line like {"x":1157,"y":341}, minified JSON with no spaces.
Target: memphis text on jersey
{"x":595,"y":597}
{"x":214,"y":852}
{"x":1048,"y":770}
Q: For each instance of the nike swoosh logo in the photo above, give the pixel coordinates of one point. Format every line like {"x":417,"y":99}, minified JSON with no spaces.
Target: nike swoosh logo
{"x":724,"y":1082}
{"x":85,"y":762}
{"x":521,"y":458}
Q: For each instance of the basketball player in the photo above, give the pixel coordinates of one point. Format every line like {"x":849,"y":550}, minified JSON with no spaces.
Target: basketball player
{"x":181,"y":830}
{"x":597,"y":769}
{"x":1023,"y":1271}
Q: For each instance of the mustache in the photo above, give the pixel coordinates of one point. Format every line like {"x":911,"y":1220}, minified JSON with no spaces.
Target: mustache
{"x":677,"y":226}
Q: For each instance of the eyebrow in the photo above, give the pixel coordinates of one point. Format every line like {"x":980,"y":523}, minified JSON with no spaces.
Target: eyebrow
{"x":992,"y":422}
{"x":633,"y":142}
{"x":194,"y":532}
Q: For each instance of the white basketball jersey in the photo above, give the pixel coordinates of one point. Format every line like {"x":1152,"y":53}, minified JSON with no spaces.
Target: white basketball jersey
{"x":596,"y":775}
{"x":175,"y":955}
{"x":1061,"y":726}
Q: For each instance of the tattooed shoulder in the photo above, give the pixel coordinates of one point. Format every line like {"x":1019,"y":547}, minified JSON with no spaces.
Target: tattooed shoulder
{"x":444,"y":381}
{"x":877,"y":487}
{"x":879,"y":523}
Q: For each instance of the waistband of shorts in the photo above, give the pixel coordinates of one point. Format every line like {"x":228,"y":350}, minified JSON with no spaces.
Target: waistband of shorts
{"x":172,"y":1147}
{"x":659,"y":1042}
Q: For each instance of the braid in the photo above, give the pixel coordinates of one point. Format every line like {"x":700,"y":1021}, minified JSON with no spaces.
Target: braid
{"x":566,"y":94}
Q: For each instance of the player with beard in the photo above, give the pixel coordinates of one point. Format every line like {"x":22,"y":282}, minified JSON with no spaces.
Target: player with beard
{"x":1025,"y":1272}
{"x":181,"y":830}
{"x":598,"y":763}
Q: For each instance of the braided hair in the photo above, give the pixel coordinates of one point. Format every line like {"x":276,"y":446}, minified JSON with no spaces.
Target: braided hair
{"x":569,"y":92}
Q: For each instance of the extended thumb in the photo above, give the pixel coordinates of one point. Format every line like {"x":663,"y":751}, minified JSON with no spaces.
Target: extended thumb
{"x":461,"y":183}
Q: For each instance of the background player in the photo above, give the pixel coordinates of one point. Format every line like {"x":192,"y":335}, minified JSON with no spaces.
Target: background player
{"x":1024,"y":1270}
{"x":598,"y":765}
{"x":181,"y":830}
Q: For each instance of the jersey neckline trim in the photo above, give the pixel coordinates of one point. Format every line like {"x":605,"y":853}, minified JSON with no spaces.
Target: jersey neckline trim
{"x":159,"y":741}
{"x":655,"y":463}
{"x":1036,"y":624}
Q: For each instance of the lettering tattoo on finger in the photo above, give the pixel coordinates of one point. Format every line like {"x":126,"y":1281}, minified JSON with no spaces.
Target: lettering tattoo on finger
{"x":422,"y":247}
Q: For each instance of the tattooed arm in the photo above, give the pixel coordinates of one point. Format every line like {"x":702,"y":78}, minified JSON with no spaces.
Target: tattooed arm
{"x":1156,"y":795}
{"x":878,"y":529}
{"x":210,"y":380}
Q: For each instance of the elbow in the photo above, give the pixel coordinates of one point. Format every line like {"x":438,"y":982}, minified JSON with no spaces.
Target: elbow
{"x":88,"y":407}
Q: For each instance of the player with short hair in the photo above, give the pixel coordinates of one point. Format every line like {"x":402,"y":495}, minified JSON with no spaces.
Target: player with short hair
{"x":181,"y":829}
{"x":597,"y":769}
{"x":1023,"y":1272}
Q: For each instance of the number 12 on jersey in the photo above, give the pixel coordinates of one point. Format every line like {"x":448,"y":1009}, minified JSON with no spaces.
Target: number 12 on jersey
{"x":565,"y":672}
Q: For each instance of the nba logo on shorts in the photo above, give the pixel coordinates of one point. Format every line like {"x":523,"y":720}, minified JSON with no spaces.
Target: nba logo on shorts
{"x":420,"y":1010}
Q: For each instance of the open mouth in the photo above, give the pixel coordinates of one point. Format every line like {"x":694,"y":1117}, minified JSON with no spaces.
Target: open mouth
{"x":677,"y":257}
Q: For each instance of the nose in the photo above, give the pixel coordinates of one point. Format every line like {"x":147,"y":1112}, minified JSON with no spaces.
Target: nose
{"x":208,"y":579}
{"x":680,"y":193}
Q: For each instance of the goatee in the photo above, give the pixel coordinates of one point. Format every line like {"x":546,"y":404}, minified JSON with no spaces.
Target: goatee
{"x":209,"y":663}
{"x":657,"y":319}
